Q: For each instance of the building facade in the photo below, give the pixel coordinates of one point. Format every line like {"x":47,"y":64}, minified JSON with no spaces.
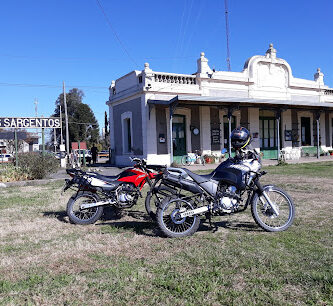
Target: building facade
{"x":27,"y":142}
{"x":198,"y":111}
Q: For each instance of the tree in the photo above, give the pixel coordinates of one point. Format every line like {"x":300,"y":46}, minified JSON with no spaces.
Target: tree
{"x":82,"y":124}
{"x":106,"y":140}
{"x":106,"y":124}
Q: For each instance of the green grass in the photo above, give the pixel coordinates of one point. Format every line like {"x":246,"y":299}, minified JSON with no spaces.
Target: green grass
{"x":46,"y":260}
{"x":320,"y":169}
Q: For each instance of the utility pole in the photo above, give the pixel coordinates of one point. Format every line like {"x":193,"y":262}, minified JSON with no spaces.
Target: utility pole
{"x":36,"y":111}
{"x":16,"y":148}
{"x":55,"y":140}
{"x":66,"y":120}
{"x":227,"y":33}
{"x":60,"y":115}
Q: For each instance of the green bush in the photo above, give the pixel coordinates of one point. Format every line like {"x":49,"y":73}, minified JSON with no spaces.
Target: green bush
{"x":10,"y":173}
{"x":36,"y":165}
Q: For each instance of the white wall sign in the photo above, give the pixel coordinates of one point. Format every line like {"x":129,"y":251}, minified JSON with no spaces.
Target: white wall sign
{"x":27,"y":122}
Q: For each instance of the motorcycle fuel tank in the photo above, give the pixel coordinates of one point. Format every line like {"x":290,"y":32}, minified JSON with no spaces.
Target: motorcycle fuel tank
{"x":235,"y":173}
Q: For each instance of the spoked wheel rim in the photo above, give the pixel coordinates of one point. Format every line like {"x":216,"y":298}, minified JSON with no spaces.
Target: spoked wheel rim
{"x":85,"y":214}
{"x":283,"y":205}
{"x":172,"y":220}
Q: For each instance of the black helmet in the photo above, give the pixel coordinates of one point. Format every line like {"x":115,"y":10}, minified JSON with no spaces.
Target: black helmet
{"x":240,"y":138}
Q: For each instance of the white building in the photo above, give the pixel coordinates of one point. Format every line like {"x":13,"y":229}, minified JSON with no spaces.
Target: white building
{"x":27,"y":142}
{"x":280,"y":111}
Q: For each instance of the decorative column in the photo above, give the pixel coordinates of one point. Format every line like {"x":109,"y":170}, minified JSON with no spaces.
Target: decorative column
{"x":278,"y":118}
{"x":278,"y":113}
{"x":171,"y":111}
{"x":317,"y":116}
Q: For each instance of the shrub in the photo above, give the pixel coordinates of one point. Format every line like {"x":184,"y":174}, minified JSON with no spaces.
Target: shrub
{"x":10,"y":173}
{"x":36,"y":165}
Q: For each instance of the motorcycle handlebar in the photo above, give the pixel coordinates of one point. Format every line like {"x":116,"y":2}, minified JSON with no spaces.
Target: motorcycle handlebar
{"x":138,"y":161}
{"x":143,"y":163}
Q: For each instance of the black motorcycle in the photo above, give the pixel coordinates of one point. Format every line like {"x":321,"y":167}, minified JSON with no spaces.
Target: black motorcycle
{"x":230,"y":188}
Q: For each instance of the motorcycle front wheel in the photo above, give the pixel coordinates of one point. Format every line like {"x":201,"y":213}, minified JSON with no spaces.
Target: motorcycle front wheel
{"x":154,"y":198}
{"x":171,"y":224}
{"x":83,"y":216}
{"x":264,"y":215}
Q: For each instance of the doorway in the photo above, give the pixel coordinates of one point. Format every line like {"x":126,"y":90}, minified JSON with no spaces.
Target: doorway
{"x":305,"y":131}
{"x":268,"y":134}
{"x":179,"y":135}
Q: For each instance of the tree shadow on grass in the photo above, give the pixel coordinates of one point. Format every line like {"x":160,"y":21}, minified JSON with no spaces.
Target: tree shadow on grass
{"x":109,"y":213}
{"x":60,"y":215}
{"x":232,"y":225}
{"x":140,"y":223}
{"x":137,"y":227}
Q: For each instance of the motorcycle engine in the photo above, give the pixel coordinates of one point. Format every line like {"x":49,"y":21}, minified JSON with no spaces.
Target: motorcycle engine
{"x":227,"y":200}
{"x":126,"y":195}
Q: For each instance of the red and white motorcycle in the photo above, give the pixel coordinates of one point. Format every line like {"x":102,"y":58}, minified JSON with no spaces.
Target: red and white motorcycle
{"x":94,"y":191}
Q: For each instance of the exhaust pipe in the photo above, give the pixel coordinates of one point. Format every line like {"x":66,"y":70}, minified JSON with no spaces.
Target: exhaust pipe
{"x":90,"y":205}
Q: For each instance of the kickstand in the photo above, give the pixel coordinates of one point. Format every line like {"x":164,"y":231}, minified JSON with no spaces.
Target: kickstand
{"x":213,"y":227}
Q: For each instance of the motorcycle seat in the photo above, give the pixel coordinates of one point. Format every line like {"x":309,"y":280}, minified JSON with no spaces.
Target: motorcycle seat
{"x":106,"y":178}
{"x":199,"y":178}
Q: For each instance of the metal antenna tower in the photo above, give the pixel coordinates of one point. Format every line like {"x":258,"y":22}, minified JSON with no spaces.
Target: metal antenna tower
{"x":227,"y":32}
{"x":36,"y":107}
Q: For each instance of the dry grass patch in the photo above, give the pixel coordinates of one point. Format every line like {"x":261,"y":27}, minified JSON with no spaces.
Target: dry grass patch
{"x":46,"y":260}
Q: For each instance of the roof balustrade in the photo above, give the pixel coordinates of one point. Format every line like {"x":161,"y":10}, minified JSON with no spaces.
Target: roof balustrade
{"x":176,"y":79}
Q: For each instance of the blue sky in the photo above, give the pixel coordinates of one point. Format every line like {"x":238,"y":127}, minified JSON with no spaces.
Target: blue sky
{"x":50,"y":41}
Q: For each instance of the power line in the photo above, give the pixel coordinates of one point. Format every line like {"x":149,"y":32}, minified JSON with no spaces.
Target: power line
{"x":186,"y":26}
{"x":83,"y":123}
{"x":193,"y":26}
{"x":180,"y":33}
{"x":51,"y":86}
{"x":115,"y":33}
{"x":29,"y":85}
{"x":19,"y":56}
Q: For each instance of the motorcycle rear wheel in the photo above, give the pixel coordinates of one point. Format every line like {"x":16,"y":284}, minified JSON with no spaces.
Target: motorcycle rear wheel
{"x":263,"y":214}
{"x":86,"y":216}
{"x":171,"y":224}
